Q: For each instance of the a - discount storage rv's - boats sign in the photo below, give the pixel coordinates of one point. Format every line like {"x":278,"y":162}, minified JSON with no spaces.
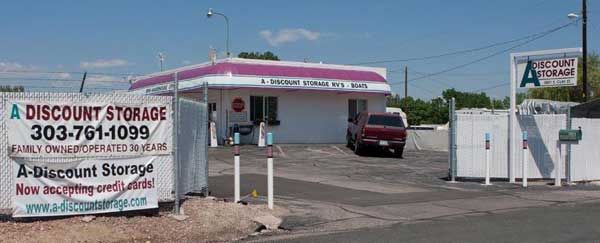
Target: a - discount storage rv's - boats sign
{"x":85,"y":158}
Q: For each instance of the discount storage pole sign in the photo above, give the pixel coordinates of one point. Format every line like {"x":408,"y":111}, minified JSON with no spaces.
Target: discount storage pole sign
{"x":548,"y":73}
{"x":106,"y":154}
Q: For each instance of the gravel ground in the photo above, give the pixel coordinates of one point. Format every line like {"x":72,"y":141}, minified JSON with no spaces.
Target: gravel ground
{"x":208,"y":221}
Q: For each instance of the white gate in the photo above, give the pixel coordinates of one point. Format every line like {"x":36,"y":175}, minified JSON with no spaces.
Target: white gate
{"x":543,"y":136}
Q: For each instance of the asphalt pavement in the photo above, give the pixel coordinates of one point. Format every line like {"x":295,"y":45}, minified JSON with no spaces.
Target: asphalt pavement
{"x":334,"y":195}
{"x":566,"y":223}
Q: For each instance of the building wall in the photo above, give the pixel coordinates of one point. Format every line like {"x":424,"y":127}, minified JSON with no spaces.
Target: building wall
{"x":306,"y":116}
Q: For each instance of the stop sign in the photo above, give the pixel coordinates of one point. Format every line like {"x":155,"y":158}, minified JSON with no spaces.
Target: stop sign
{"x":238,"y":104}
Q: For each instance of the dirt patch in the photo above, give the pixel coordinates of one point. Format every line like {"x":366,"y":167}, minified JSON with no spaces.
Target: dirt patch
{"x":208,"y":221}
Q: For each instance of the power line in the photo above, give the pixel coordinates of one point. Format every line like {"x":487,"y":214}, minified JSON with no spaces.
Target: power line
{"x":62,"y":80}
{"x":68,"y":88}
{"x":539,"y":36}
{"x":489,"y":88}
{"x":461,"y":74}
{"x":68,"y":72}
{"x":434,"y":80}
{"x":424,"y":89}
{"x":449,"y":53}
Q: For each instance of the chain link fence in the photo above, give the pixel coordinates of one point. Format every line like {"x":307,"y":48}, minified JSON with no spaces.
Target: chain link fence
{"x":193,"y":159}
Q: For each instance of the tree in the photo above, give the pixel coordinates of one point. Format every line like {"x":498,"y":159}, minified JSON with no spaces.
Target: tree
{"x":574,"y":93}
{"x":9,"y":88}
{"x":467,"y":99}
{"x":257,"y":55}
{"x":420,"y":112}
{"x":435,"y":111}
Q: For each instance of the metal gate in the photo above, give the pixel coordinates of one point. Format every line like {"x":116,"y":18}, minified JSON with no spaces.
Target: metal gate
{"x":192,"y":142}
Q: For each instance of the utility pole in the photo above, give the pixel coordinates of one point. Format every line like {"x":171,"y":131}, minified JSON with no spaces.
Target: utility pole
{"x":584,"y":40}
{"x":161,"y":58}
{"x":82,"y":82}
{"x":406,"y":91}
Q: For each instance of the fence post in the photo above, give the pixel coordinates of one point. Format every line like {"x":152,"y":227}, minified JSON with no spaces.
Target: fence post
{"x":175,"y":142}
{"x":452,"y":138}
{"x":236,"y":165}
{"x":487,"y":158}
{"x":568,"y":155}
{"x":270,"y":170}
{"x":207,"y":136}
{"x":525,"y":147}
{"x":557,"y":167}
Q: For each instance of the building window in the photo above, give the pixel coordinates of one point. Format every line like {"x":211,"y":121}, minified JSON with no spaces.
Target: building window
{"x":258,"y":108}
{"x":356,"y":106}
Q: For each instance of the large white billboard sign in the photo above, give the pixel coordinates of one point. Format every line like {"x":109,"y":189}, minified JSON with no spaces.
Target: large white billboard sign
{"x":58,"y":129}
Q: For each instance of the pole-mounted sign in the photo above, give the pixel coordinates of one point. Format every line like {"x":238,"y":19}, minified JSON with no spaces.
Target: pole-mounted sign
{"x":542,"y":73}
{"x":537,"y":69}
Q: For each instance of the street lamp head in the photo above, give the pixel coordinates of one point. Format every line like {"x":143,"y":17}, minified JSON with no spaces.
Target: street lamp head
{"x":210,"y":13}
{"x":573,"y":16}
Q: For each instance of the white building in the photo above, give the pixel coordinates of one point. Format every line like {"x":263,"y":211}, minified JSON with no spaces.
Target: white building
{"x":303,"y":102}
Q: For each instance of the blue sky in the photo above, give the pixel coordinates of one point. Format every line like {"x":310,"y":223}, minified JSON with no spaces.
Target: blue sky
{"x":121,"y":37}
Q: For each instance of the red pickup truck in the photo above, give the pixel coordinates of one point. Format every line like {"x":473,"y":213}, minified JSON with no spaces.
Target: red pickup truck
{"x":377,"y":130}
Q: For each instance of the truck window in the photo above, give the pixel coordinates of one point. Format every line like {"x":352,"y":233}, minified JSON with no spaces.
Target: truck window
{"x":390,"y":121}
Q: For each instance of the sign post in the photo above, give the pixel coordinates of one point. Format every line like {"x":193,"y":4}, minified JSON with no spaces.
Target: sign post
{"x":555,"y":69}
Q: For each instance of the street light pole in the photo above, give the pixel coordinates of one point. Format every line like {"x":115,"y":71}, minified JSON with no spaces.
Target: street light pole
{"x":210,"y":14}
{"x":584,"y":40}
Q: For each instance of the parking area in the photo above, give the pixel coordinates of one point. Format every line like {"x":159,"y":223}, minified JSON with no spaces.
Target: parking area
{"x":337,"y":165}
{"x":326,"y":187}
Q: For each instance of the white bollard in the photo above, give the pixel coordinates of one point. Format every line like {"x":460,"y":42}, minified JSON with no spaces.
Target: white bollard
{"x":557,"y":179}
{"x":261,"y":135}
{"x":213,"y":135}
{"x":236,"y":165}
{"x":487,"y":159}
{"x":525,"y":146}
{"x":270,"y":170}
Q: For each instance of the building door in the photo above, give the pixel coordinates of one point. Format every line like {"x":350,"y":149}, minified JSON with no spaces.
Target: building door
{"x":356,"y":106}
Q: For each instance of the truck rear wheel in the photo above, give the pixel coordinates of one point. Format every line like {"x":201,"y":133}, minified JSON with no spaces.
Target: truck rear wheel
{"x":399,"y":152}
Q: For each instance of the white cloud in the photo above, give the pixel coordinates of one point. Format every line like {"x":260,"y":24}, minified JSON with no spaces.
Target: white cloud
{"x":104,"y":63}
{"x":288,"y":35}
{"x":12,"y":66}
{"x":17,"y":70}
{"x":38,"y":78}
{"x":106,"y":79}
